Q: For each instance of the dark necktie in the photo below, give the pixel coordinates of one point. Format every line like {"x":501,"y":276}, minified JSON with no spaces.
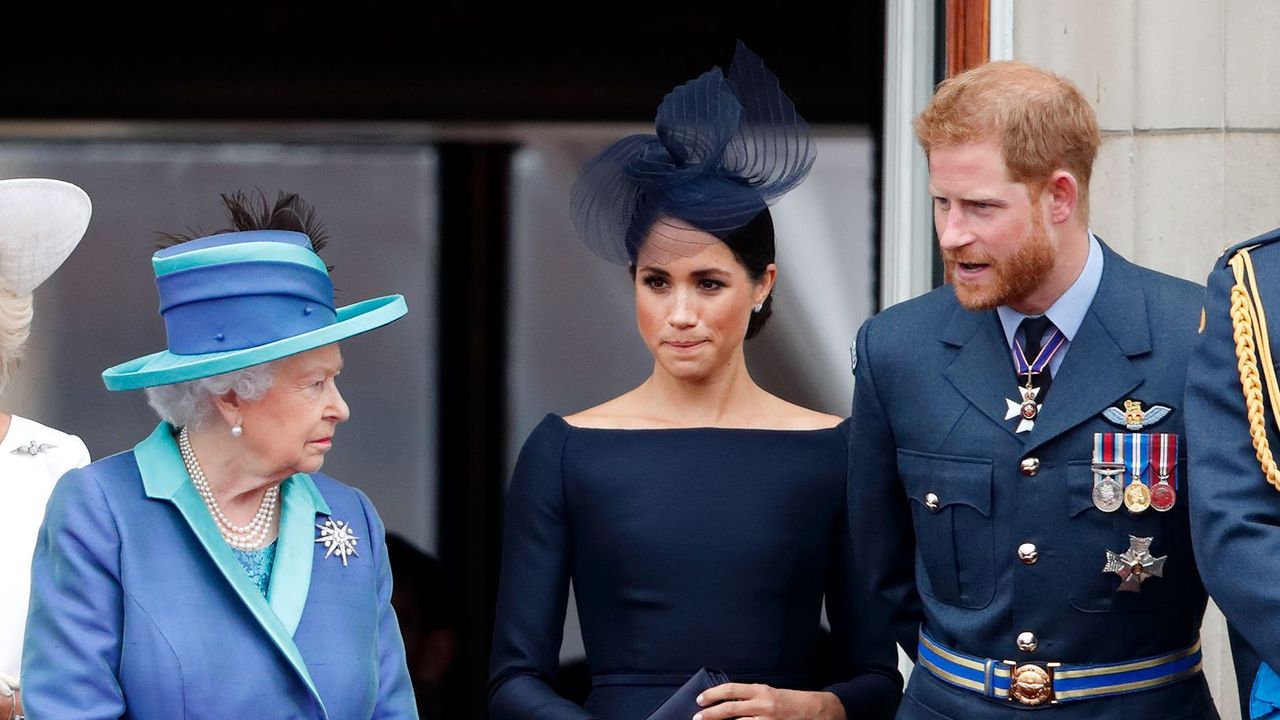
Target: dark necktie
{"x":1033,"y":331}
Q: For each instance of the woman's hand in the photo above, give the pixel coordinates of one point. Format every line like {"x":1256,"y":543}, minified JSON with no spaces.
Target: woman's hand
{"x":761,"y":702}
{"x":10,"y":706}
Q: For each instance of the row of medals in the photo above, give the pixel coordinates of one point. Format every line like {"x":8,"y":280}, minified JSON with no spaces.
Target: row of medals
{"x":1136,"y":497}
{"x":1108,"y":494}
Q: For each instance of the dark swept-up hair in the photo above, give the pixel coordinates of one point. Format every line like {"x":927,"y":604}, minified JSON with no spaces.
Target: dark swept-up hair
{"x":753,"y":246}
{"x":254,"y":212}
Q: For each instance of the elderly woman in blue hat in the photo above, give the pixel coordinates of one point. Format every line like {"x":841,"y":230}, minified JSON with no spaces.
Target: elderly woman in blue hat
{"x":700,"y":519}
{"x":213,"y":571}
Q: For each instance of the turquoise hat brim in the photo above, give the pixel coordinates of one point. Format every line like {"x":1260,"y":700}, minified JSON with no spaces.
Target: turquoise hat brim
{"x":165,"y":368}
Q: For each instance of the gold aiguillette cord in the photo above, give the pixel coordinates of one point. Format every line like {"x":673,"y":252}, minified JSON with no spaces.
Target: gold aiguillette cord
{"x":1249,"y":321}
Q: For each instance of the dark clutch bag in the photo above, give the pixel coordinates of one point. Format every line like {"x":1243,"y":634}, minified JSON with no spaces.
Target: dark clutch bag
{"x":683,"y":703}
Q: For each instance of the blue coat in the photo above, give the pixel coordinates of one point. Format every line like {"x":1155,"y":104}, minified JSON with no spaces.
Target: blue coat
{"x":929,"y":418}
{"x":139,"y":610}
{"x":1235,"y":517}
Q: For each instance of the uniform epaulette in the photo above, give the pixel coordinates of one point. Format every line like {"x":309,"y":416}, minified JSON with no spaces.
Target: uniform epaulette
{"x":1230,"y":251}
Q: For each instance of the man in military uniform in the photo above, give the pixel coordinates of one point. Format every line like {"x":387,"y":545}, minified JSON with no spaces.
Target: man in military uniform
{"x":1232,"y":399}
{"x":1015,"y":488}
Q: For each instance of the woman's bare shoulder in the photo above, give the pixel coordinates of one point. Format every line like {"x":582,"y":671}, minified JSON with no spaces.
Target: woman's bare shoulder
{"x":618,"y":413}
{"x":785,"y":415}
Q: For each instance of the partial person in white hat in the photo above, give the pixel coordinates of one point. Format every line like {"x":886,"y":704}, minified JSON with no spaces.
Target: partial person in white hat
{"x":41,"y":221}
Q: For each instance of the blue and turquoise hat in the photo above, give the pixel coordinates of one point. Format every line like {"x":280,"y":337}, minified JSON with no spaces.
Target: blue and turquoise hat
{"x":239,"y":299}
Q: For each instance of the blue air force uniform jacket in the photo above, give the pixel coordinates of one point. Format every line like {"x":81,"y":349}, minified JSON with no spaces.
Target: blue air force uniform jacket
{"x":1235,"y":518}
{"x":947,"y":502}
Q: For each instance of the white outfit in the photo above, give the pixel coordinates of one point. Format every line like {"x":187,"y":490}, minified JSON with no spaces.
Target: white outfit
{"x":26,"y":481}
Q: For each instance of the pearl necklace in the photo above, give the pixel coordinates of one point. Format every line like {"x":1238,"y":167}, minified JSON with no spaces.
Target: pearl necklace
{"x":241,"y":537}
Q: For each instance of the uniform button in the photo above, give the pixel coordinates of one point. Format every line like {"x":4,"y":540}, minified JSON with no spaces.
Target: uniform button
{"x":1030,"y":466}
{"x":1027,"y":642}
{"x":1028,"y":553}
{"x":931,"y":501}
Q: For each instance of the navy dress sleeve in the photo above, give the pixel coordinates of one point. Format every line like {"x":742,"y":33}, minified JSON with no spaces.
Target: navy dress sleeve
{"x":533,"y":590}
{"x":861,"y":640}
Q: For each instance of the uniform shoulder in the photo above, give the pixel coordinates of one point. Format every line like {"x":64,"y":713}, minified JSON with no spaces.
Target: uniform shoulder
{"x":909,"y":318}
{"x":926,"y":306}
{"x":1264,"y":260}
{"x":1163,"y":289}
{"x":1171,"y":288}
{"x":896,"y":330}
{"x":1170,"y":302}
{"x":1266,"y":243}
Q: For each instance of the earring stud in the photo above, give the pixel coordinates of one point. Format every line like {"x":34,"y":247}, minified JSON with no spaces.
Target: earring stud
{"x":758,"y":307}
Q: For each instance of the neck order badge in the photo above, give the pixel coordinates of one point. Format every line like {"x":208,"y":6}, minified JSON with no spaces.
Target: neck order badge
{"x":1029,"y":407}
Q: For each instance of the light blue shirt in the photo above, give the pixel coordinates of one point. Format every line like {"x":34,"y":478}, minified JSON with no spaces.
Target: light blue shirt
{"x":1068,"y":311}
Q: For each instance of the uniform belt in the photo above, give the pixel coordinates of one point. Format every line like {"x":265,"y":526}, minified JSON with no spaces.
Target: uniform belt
{"x":1047,"y":683}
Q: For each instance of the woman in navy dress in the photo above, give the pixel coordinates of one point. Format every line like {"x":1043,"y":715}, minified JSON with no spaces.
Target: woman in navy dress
{"x":700,"y":519}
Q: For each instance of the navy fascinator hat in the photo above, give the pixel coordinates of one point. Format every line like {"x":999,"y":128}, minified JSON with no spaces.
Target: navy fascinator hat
{"x":725,"y":147}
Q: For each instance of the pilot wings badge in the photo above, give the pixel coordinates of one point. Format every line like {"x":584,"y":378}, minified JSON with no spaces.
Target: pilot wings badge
{"x":32,"y":448}
{"x":1133,"y":418}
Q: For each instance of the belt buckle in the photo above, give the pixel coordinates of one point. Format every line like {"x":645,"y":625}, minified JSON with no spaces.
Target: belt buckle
{"x":1031,"y":683}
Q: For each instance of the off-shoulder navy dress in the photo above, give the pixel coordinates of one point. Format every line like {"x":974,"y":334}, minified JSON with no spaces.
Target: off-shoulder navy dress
{"x":686,"y":548}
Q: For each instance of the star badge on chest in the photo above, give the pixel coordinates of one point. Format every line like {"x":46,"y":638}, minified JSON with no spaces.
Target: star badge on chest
{"x":338,"y":539}
{"x":1026,"y":409}
{"x":1135,"y":565}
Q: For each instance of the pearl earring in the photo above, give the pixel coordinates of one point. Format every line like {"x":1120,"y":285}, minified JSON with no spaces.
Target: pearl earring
{"x":237,"y":430}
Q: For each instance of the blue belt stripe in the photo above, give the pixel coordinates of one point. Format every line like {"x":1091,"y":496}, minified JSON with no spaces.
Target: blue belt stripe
{"x":1152,"y":673}
{"x":1098,"y":683}
{"x":946,"y":665}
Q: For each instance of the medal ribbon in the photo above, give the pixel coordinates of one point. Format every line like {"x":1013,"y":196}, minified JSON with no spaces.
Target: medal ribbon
{"x":1115,"y":448}
{"x":1138,"y":449}
{"x":1035,"y":367}
{"x":1166,"y":457}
